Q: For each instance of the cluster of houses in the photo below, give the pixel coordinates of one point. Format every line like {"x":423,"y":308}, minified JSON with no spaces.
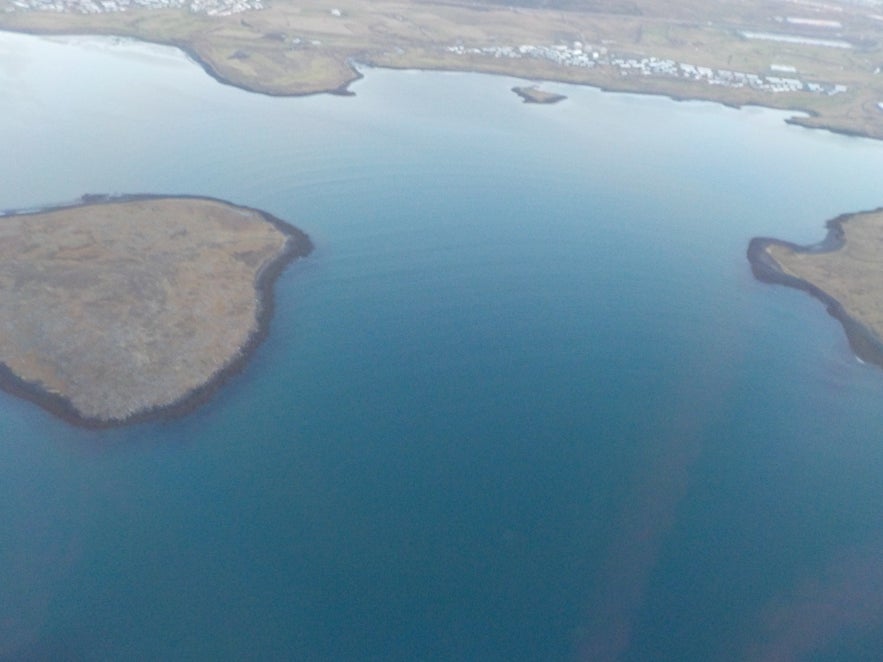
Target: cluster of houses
{"x":209,"y":7}
{"x":579,"y":55}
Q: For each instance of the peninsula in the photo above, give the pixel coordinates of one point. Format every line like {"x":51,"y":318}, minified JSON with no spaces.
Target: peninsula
{"x":844,"y":271}
{"x":821,"y":60}
{"x":115,"y":310}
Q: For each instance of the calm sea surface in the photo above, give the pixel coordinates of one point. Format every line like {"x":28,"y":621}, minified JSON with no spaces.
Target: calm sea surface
{"x":524,"y":402}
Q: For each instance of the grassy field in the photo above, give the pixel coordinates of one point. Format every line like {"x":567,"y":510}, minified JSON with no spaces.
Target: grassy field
{"x":292,"y":48}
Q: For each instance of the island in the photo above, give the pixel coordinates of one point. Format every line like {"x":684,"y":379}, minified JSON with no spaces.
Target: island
{"x":533,"y":94}
{"x":844,"y":271}
{"x":821,"y":61}
{"x":119,"y":309}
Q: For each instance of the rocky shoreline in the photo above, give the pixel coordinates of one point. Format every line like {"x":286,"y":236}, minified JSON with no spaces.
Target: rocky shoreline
{"x":866,"y":344}
{"x":297,"y":244}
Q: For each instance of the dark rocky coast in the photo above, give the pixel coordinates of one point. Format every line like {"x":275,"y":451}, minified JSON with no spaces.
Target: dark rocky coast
{"x":122,"y":309}
{"x":842,"y":271}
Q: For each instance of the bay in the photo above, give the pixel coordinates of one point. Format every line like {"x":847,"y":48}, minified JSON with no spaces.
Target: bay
{"x":525,"y":401}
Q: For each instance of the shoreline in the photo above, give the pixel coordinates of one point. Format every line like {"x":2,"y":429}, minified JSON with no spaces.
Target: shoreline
{"x":802,"y":118}
{"x":865,"y":344}
{"x":298,"y":245}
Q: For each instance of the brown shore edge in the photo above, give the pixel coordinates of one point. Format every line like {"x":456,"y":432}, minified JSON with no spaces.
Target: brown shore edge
{"x":298,"y":245}
{"x":866,"y":345}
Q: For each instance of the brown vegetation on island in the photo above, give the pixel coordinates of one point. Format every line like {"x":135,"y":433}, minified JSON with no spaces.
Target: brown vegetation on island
{"x":119,"y":309}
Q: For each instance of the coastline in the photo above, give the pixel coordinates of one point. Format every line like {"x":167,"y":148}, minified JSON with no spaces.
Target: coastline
{"x":342,"y":89}
{"x":803,"y":117}
{"x":865,"y":344}
{"x":298,"y":245}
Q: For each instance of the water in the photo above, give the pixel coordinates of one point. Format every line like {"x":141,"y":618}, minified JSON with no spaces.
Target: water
{"x":525,"y":400}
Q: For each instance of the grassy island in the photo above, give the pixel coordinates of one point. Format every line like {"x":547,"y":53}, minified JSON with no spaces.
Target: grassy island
{"x":119,"y":309}
{"x":821,"y":59}
{"x":845,"y":271}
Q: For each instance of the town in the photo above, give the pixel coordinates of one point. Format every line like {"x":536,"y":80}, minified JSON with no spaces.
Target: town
{"x":587,"y":56}
{"x":208,"y":7}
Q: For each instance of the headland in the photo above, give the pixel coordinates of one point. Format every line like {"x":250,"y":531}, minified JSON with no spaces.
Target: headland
{"x":121,"y":309}
{"x":844,"y":271}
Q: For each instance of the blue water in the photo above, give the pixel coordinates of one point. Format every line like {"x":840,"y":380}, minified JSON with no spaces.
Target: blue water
{"x":524,"y":402}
